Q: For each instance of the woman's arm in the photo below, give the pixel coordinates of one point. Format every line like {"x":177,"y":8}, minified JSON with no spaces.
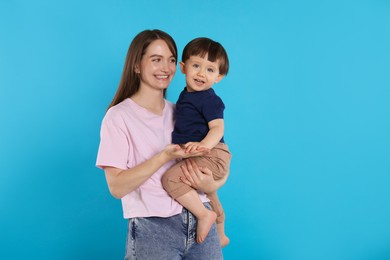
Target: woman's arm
{"x":201,"y":178}
{"x":121,"y":182}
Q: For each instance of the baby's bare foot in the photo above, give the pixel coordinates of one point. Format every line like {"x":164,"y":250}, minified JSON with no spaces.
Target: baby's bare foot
{"x":204,"y":225}
{"x":224,"y":240}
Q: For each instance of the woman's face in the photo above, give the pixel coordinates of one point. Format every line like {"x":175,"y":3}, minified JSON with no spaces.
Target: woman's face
{"x":158,"y":66}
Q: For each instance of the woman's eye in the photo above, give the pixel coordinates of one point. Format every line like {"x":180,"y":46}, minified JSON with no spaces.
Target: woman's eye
{"x":173,"y":60}
{"x":156,"y":60}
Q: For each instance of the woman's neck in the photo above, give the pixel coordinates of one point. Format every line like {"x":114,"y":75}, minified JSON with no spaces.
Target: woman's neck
{"x":150,"y":100}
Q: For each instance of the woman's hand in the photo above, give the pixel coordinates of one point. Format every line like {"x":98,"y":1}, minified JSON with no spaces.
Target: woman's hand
{"x":199,"y":178}
{"x":174,"y":151}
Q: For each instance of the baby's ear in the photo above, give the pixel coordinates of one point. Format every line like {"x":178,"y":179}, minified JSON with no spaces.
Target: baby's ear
{"x":182,"y":65}
{"x":219,"y":78}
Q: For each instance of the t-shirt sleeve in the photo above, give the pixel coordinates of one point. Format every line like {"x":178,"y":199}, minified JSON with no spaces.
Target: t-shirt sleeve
{"x":114,"y":144}
{"x":213,"y":108}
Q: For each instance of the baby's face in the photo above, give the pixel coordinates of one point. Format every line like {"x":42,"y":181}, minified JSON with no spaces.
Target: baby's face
{"x":201,"y":74}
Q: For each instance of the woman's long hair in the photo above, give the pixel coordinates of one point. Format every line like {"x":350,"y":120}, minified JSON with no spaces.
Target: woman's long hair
{"x":130,"y":80}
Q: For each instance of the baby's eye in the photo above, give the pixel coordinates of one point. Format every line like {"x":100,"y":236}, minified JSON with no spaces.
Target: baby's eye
{"x":210,"y":70}
{"x":195,"y":66}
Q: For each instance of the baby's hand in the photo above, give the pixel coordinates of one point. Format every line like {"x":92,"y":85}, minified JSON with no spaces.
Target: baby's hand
{"x":191,"y":147}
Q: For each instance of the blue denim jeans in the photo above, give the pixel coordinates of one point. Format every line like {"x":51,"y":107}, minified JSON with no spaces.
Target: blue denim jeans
{"x":171,"y":238}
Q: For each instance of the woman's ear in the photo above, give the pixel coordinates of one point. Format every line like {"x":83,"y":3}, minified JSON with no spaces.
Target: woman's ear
{"x":136,"y":69}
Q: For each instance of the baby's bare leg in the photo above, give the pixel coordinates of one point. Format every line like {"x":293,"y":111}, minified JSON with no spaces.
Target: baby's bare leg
{"x":205,"y":217}
{"x":217,"y":208}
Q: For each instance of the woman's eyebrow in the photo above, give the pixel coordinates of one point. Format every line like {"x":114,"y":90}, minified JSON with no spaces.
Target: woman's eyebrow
{"x":155,"y":56}
{"x":160,"y":56}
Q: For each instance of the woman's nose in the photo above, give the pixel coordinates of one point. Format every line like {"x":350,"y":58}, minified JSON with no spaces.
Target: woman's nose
{"x":165,"y":66}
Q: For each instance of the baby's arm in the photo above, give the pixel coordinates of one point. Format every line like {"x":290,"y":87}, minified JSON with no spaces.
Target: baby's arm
{"x":213,"y":137}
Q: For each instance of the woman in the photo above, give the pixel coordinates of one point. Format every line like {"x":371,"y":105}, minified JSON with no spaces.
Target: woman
{"x":135,"y":150}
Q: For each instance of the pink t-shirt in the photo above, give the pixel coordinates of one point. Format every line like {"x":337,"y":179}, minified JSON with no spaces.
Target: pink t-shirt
{"x":130,"y":135}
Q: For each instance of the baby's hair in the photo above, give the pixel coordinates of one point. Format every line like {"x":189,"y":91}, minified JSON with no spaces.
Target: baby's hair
{"x":204,"y":46}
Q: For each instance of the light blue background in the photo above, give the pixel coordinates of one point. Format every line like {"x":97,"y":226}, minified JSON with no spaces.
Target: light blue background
{"x":308,"y":105}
